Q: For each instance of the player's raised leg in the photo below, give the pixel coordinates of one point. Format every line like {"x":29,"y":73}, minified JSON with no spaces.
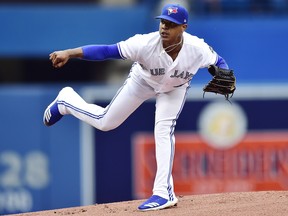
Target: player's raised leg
{"x":125,"y":102}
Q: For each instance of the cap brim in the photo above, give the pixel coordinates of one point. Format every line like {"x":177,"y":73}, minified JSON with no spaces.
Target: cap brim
{"x":168,"y":18}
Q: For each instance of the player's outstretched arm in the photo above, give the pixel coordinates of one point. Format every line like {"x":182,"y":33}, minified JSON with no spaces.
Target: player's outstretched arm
{"x":60,"y":58}
{"x":88,"y":52}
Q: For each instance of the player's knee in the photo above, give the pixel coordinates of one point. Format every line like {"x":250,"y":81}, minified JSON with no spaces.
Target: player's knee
{"x":107,"y":127}
{"x":162,"y":128}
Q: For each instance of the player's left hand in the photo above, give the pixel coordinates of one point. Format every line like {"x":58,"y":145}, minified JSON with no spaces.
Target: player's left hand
{"x":223,"y":82}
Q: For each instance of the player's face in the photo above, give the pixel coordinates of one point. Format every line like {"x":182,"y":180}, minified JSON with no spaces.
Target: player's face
{"x":171,"y":32}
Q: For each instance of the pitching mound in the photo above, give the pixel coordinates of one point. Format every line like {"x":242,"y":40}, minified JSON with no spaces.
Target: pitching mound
{"x":231,"y":204}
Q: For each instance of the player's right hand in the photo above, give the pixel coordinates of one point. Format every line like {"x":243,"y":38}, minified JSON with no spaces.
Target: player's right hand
{"x":59,"y":58}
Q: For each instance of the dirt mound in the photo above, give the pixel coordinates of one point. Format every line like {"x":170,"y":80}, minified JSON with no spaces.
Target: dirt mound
{"x":231,"y":204}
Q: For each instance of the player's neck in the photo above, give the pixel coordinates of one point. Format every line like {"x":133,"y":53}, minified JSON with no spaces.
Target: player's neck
{"x":173,"y":49}
{"x":169,"y":46}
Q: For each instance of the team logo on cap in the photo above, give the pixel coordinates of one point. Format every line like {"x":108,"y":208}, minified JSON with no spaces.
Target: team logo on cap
{"x":172,"y":10}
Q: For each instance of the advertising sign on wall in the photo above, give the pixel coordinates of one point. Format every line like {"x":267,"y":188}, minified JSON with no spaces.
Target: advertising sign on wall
{"x":223,"y":156}
{"x":258,"y":162}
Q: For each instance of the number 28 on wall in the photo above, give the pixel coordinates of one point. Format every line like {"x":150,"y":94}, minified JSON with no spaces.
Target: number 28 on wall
{"x":30,"y":170}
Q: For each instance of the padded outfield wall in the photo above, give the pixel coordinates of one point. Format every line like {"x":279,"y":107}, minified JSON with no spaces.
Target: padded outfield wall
{"x":242,"y":147}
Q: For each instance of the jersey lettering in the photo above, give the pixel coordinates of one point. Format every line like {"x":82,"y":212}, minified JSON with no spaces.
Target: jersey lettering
{"x":157,"y":71}
{"x":184,"y":75}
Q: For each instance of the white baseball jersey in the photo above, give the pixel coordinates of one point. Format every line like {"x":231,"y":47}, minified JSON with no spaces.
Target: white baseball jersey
{"x":157,"y":68}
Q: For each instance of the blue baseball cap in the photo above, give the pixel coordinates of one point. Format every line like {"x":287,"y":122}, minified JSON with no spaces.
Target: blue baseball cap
{"x":174,"y":13}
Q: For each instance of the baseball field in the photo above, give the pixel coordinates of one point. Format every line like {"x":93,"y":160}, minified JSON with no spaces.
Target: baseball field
{"x":264,"y":203}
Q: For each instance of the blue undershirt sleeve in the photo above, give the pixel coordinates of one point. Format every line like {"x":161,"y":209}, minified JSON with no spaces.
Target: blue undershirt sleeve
{"x":221,"y":63}
{"x":100,"y":52}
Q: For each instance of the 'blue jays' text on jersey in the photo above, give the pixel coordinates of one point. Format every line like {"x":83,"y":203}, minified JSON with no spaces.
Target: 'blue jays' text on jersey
{"x":157,"y":68}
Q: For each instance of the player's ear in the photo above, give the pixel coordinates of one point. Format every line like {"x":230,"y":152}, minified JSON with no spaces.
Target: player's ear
{"x":184,"y":27}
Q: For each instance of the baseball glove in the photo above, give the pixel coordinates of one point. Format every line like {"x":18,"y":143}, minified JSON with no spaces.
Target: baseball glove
{"x":223,"y":82}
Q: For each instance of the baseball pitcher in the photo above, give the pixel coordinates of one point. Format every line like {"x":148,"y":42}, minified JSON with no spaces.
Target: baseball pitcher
{"x":165,"y":61}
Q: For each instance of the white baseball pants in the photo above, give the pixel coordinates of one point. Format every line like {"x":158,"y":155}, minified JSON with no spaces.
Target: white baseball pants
{"x":128,"y":98}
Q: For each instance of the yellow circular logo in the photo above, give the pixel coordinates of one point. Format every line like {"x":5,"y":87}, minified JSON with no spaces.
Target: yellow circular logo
{"x":222,"y":125}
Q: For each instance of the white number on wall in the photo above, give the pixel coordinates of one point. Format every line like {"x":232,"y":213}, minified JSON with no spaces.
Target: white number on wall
{"x":30,"y":170}
{"x":11,"y":161}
